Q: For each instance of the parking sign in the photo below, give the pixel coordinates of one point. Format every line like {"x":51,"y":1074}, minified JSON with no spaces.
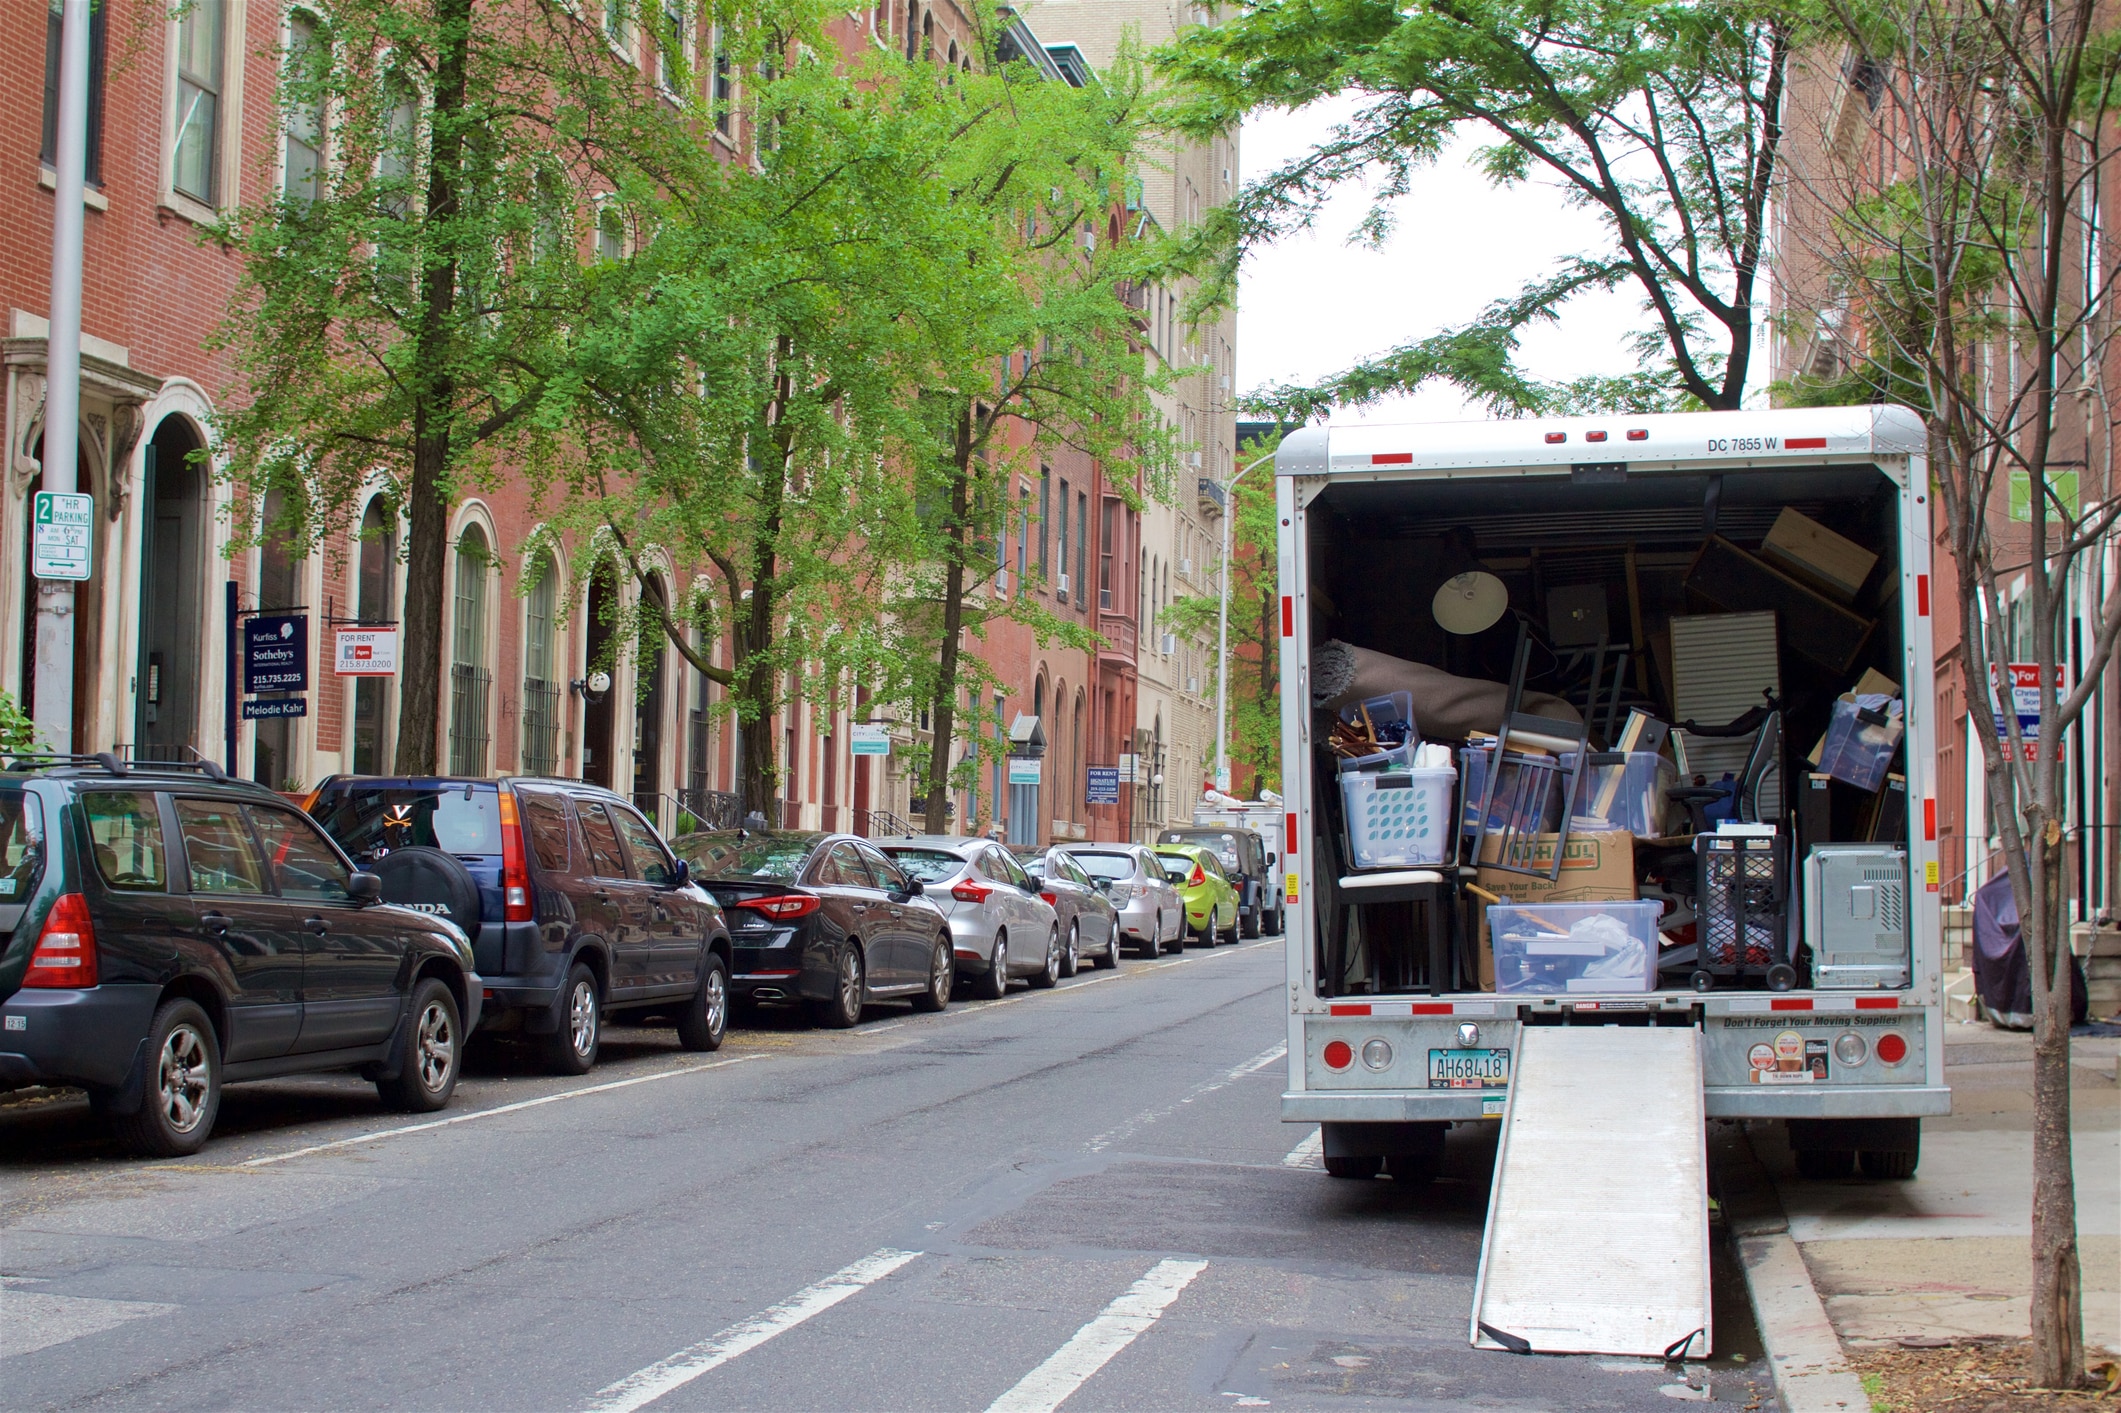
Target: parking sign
{"x":60,"y":523}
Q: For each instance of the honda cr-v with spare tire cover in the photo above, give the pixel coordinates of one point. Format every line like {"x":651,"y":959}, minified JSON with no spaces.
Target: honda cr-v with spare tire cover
{"x":577,"y":911}
{"x":165,"y":930}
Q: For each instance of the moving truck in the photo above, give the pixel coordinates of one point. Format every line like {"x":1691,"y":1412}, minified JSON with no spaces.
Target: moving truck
{"x":1670,"y":536}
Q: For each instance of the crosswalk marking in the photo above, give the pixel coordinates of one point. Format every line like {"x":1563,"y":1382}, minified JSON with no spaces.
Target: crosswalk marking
{"x":1093,"y":1346}
{"x":643,"y":1388}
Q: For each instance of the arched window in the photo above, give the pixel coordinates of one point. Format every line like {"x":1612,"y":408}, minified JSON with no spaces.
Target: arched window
{"x":470,"y":677}
{"x":373,"y":604}
{"x":541,"y":669}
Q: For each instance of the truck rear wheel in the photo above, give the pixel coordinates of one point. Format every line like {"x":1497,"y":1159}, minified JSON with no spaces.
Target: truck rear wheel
{"x":1367,"y":1167}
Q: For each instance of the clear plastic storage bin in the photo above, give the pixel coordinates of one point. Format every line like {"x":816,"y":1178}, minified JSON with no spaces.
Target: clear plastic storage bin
{"x":1862,"y":737}
{"x":1626,"y":795}
{"x":1398,"y":818}
{"x":1392,"y":718}
{"x":1541,"y":812}
{"x":1551,"y":948}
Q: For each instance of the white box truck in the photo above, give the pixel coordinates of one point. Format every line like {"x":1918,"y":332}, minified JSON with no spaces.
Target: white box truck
{"x":1373,"y":519}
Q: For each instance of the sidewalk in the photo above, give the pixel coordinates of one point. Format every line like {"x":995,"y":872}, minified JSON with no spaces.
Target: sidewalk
{"x":1944,"y":1259}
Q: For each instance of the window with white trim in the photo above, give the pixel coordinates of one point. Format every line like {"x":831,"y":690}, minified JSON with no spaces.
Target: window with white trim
{"x":201,"y":62}
{"x":302,"y":139}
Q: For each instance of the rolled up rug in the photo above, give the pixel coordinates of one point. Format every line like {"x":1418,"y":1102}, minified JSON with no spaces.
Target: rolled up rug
{"x":1446,"y":707}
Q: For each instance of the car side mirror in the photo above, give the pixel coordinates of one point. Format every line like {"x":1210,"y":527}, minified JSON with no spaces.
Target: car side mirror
{"x":680,"y":874}
{"x":364,"y":888}
{"x":913,"y":888}
{"x":1030,"y":885}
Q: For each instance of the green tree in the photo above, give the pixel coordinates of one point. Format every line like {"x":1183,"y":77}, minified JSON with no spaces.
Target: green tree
{"x":1033,"y":346}
{"x":1664,"y":117}
{"x":413,"y":295}
{"x":1973,"y":280}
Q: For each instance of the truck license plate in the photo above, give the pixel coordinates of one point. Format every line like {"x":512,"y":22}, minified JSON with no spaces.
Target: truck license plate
{"x":1469,"y":1069}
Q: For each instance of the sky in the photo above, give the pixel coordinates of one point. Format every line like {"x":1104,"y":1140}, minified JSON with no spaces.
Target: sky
{"x":1312,"y":305}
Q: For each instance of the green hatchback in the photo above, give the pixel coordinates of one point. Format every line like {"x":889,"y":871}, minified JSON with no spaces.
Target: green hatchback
{"x":1209,"y":896}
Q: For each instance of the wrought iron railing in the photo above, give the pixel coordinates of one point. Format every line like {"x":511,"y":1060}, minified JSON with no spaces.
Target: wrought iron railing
{"x":710,"y":809}
{"x":880,"y":824}
{"x":469,"y":689}
{"x":541,"y":727}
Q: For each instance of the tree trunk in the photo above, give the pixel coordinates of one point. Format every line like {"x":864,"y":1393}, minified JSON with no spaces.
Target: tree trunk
{"x":2057,"y":1310}
{"x":943,"y":709}
{"x":755,"y":688}
{"x":420,"y":686}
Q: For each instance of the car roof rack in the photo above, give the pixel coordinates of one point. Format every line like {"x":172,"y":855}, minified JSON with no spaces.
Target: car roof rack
{"x":34,"y":760}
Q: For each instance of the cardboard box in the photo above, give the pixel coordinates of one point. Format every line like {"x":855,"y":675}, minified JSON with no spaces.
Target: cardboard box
{"x":1596,"y":867}
{"x":1817,"y":555}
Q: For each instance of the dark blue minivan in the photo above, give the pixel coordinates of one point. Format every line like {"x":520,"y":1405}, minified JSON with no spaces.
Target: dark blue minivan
{"x":576,"y":908}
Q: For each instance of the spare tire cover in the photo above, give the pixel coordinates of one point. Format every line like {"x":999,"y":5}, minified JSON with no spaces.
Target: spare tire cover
{"x":432,"y":881}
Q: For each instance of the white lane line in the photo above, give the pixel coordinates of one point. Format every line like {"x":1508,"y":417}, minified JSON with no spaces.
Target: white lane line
{"x":641,"y":1389}
{"x":1149,"y":1116}
{"x":1311,"y":1153}
{"x":378,"y":1135}
{"x":1091,"y":1348}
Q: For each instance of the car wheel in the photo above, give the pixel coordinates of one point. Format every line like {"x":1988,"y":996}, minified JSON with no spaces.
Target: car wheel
{"x":1046,"y":976}
{"x":1109,"y":958}
{"x":180,"y":1085}
{"x":1824,"y":1164}
{"x":1235,"y":931}
{"x":572,"y":1048}
{"x":1071,"y":959}
{"x":991,"y":986}
{"x":433,"y":1053}
{"x":1154,"y":947}
{"x":843,"y":1009}
{"x":942,"y":975}
{"x":705,"y":1019}
{"x":1252,"y":926}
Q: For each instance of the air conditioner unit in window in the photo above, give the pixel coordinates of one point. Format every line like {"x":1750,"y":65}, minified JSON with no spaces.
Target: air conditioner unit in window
{"x":1170,"y":644}
{"x":1193,"y":685}
{"x":1001,"y":581}
{"x":1185,"y":566}
{"x":1196,"y":458}
{"x":1063,"y":586}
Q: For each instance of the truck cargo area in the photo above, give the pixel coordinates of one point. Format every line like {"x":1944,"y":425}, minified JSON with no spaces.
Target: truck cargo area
{"x":1645,"y":594}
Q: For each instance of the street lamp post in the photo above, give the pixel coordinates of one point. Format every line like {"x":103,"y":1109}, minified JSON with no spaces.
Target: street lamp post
{"x":1222,"y":635}
{"x":53,"y":667}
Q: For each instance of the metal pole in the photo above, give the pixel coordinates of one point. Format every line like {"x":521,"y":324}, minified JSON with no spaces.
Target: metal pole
{"x":1222,"y":636}
{"x":233,"y":604}
{"x":54,"y":668}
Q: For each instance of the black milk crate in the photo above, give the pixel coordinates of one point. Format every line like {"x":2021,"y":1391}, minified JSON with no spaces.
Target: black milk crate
{"x":1742,"y":906}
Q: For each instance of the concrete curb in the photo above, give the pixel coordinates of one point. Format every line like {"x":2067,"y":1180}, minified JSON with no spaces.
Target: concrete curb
{"x":1804,"y":1354}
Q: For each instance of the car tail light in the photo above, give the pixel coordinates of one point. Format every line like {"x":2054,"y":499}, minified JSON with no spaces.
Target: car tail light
{"x":1199,"y":877}
{"x":66,"y":950}
{"x":783,"y":907}
{"x":515,"y":867}
{"x":970,"y":892}
{"x":1051,"y":901}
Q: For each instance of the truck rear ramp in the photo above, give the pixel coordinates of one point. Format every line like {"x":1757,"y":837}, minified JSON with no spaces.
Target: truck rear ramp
{"x":1597,"y":1239}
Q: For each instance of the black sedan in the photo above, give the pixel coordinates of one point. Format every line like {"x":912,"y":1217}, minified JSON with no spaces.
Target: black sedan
{"x":822,"y":920}
{"x":1088,"y":921}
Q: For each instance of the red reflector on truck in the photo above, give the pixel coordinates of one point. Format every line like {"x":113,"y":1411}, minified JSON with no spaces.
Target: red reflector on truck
{"x":1288,"y":616}
{"x":1790,"y":1005}
{"x":1638,"y":434}
{"x":1291,"y":826}
{"x":1347,"y":1010}
{"x":1594,"y":436}
{"x":1392,"y":458}
{"x":1804,"y":443}
{"x":1429,"y":1009}
{"x":1929,"y":818}
{"x":1337,"y":1055}
{"x":1556,"y":438}
{"x":1877,"y":1003}
{"x":1922,"y":595}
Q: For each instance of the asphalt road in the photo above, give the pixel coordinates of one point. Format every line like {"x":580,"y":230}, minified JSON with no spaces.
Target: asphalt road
{"x":1081,"y":1197}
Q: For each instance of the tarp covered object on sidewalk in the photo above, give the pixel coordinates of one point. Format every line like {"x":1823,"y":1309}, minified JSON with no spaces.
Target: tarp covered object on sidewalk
{"x":2002,"y":978}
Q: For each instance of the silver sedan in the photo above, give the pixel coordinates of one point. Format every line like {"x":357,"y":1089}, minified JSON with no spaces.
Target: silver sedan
{"x":1151,"y":914}
{"x":1000,"y":928}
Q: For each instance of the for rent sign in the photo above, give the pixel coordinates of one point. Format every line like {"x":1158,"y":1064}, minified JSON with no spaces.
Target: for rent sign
{"x":365,"y":652}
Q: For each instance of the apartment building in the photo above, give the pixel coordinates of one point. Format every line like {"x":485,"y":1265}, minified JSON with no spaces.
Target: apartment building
{"x":1173,"y":749}
{"x":184,"y":126}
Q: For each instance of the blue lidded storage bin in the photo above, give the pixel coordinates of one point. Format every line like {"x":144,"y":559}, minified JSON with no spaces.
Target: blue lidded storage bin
{"x":1560,"y":948}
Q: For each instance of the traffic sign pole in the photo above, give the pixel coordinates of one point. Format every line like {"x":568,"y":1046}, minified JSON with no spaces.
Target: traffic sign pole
{"x":54,"y":707}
